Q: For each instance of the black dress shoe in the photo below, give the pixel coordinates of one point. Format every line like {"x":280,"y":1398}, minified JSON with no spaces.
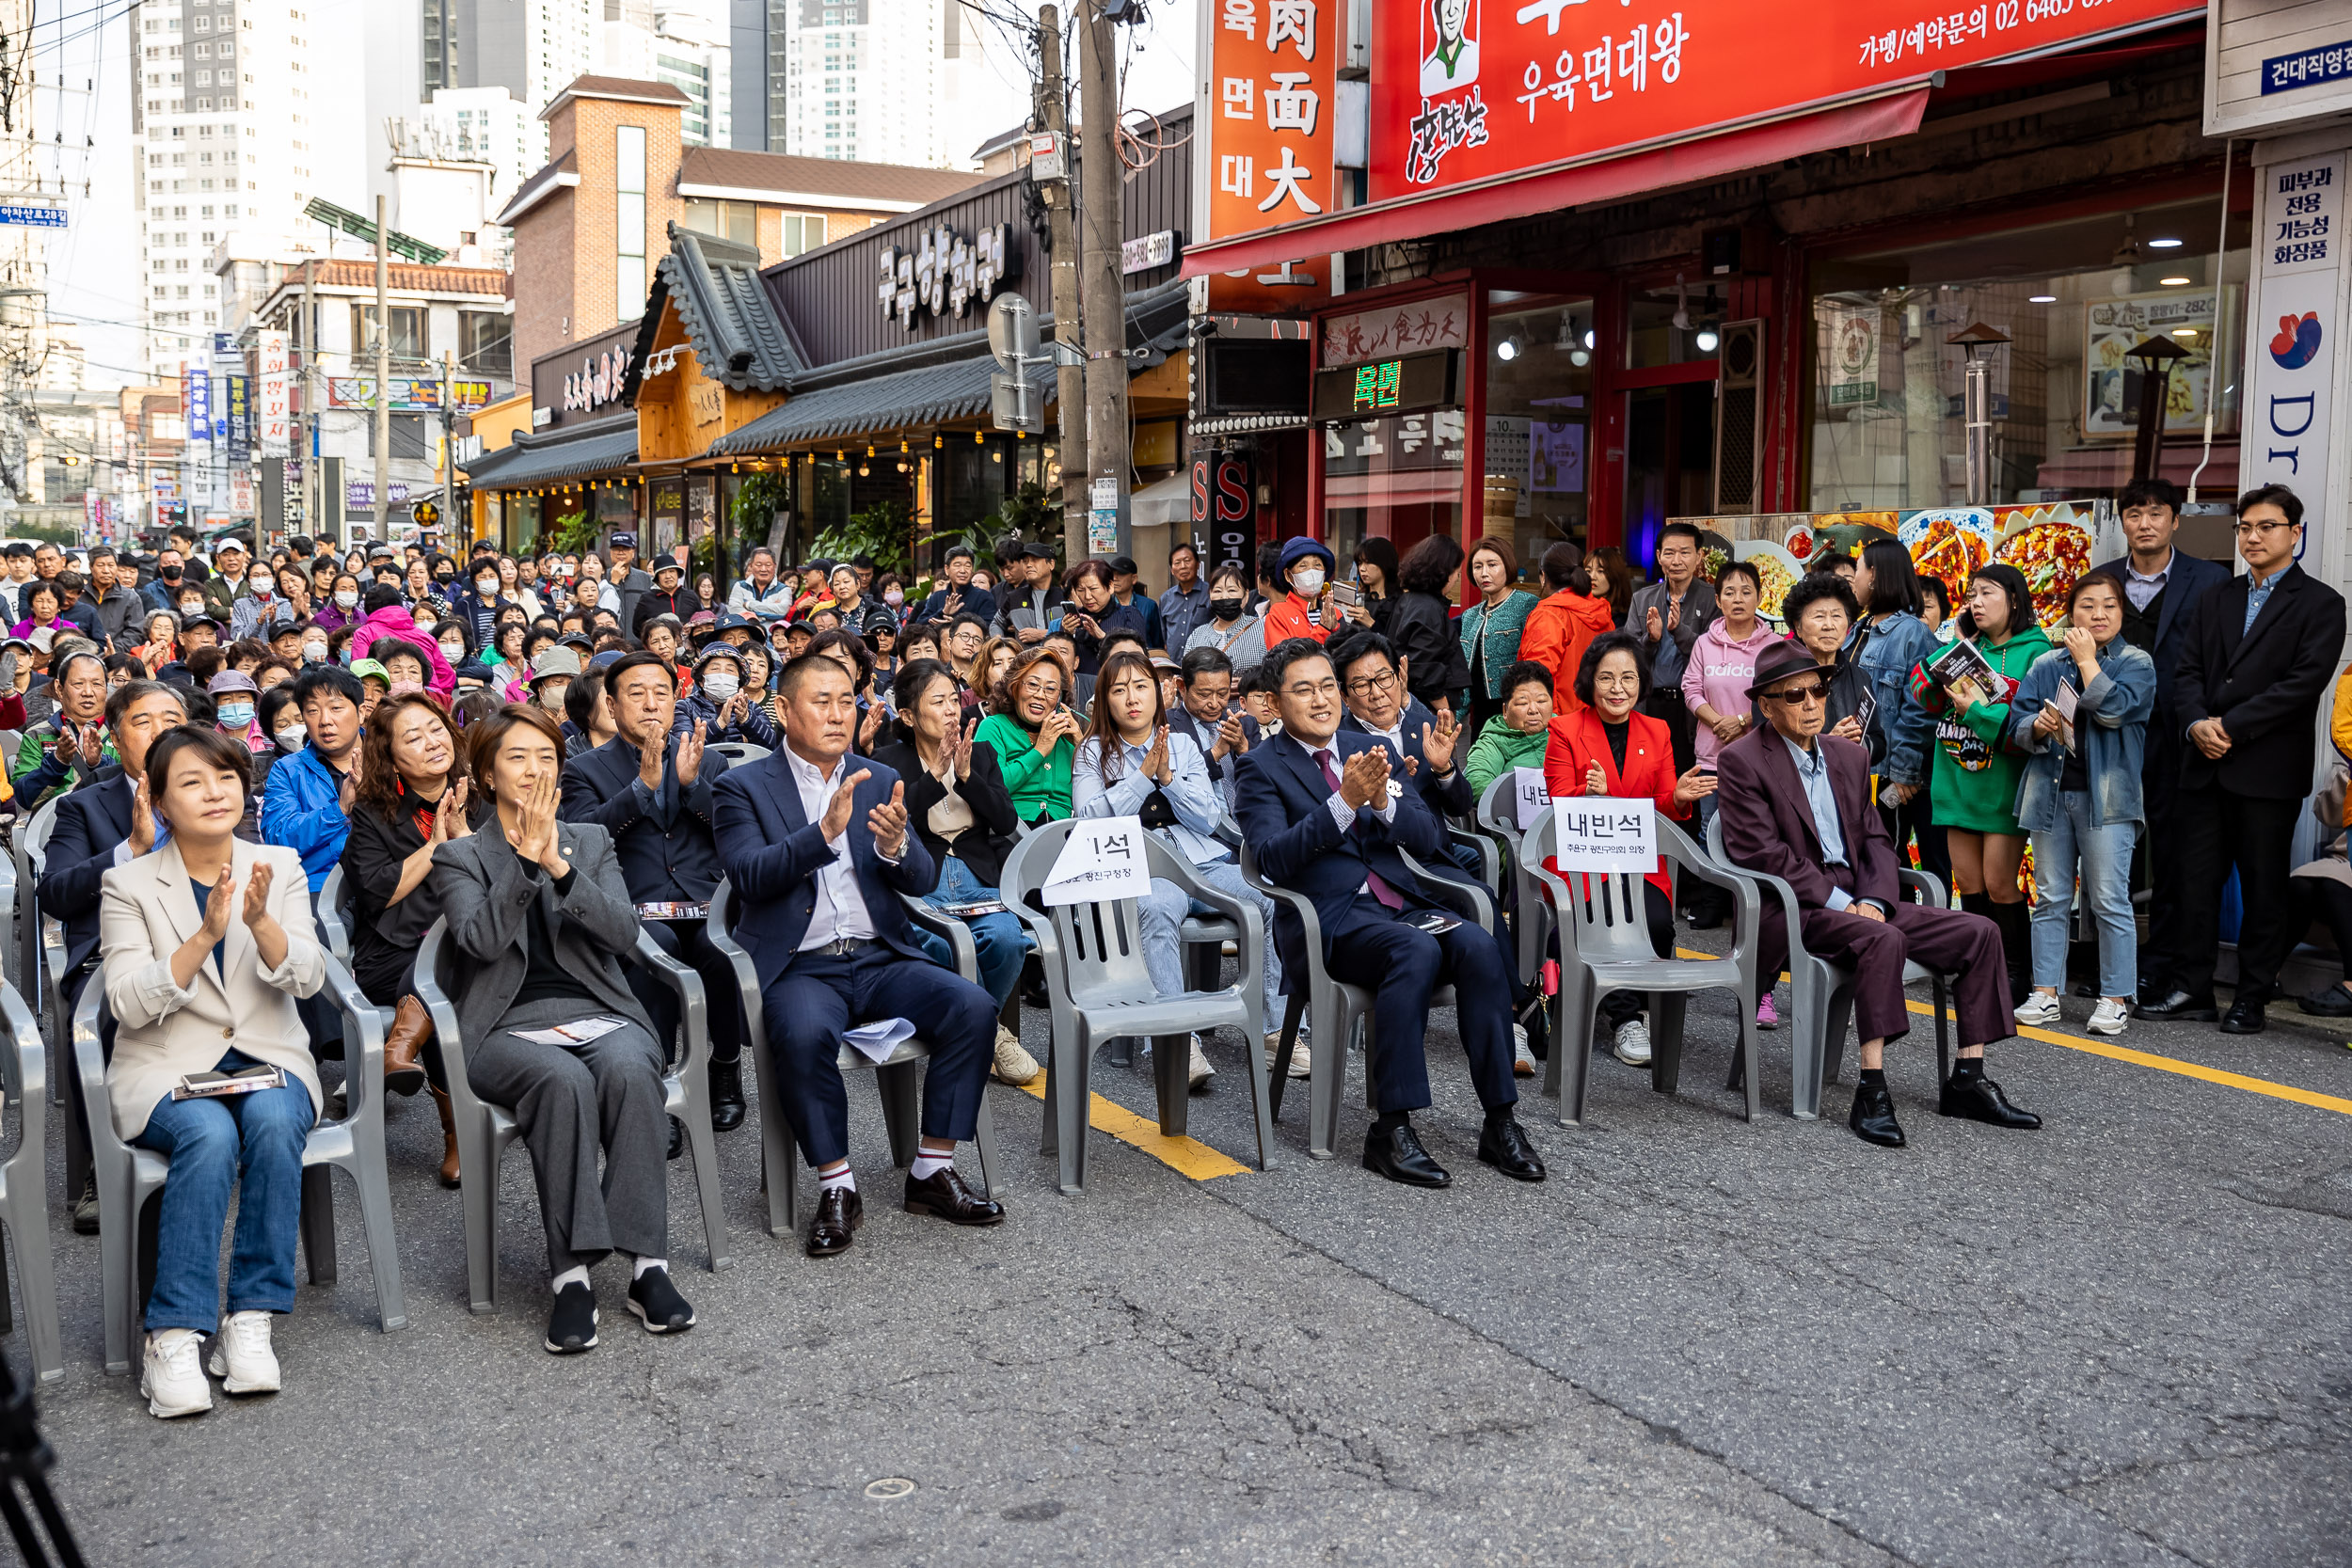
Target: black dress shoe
{"x":2245,"y":1017}
{"x":727,"y":1096}
{"x":2178,"y":1008}
{"x":1506,"y":1149}
{"x":1872,"y":1118}
{"x":943,"y":1196}
{"x":1397,"y":1154}
{"x":85,"y":1206}
{"x":2327,"y":1001}
{"x":1979,"y":1099}
{"x":839,"y":1213}
{"x":677,"y":1139}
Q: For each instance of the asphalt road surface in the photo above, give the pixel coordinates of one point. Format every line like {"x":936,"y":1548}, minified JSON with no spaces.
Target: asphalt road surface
{"x":2116,"y":1340}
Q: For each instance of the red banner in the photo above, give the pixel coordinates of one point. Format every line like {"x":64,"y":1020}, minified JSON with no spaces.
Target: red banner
{"x":1464,"y":91}
{"x":1267,"y":123}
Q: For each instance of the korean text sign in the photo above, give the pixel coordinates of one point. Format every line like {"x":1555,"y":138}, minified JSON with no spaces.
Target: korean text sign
{"x":1270,"y":85}
{"x":1601,"y":832}
{"x":1463,"y":90}
{"x":1102,"y":862}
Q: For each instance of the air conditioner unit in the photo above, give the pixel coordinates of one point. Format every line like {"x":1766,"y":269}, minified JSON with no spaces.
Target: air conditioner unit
{"x":1740,"y":420}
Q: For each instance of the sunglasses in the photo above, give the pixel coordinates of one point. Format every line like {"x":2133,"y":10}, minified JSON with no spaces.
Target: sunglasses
{"x":1812,"y":691}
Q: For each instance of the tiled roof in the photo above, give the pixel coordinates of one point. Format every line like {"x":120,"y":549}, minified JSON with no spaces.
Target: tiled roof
{"x":536,"y":186}
{"x":899,"y":184}
{"x":729,"y":319}
{"x":630,"y":89}
{"x":597,"y":448}
{"x":406,"y":275}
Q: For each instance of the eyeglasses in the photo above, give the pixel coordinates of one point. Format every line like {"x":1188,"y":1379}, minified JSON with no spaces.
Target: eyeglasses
{"x":1304,"y":691}
{"x":1812,"y":691}
{"x":1365,"y":686}
{"x":2260,"y":525}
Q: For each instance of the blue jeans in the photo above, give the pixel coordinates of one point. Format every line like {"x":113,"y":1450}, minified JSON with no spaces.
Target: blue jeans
{"x":999,"y":937}
{"x":212,"y":1144}
{"x":1163,"y":910}
{"x":2105,"y":857}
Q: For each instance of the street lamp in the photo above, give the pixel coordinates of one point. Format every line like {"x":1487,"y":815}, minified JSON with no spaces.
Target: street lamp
{"x":2155,"y":356}
{"x":1976,"y":405}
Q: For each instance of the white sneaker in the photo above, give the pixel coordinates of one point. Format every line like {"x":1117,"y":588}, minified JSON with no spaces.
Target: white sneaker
{"x":2109,"y":1017}
{"x":1632,"y":1043}
{"x":1522,"y":1059}
{"x":2038,"y":1009}
{"x":171,"y":1375}
{"x":1201,"y":1070}
{"x":242,"y":1358}
{"x":1302,"y":1059}
{"x":1014,"y":1064}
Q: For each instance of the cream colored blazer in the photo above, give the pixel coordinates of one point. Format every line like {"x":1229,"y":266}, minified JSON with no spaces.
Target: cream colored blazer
{"x":146,"y":910}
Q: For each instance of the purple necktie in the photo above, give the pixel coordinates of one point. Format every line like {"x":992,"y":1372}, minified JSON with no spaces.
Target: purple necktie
{"x":1380,"y":890}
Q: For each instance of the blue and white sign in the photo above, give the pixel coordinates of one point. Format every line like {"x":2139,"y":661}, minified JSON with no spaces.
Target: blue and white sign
{"x":2308,"y":68}
{"x":33,"y":215}
{"x":2295,"y":341}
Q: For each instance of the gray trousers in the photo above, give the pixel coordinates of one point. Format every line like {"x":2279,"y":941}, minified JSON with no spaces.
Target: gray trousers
{"x":569,"y":1101}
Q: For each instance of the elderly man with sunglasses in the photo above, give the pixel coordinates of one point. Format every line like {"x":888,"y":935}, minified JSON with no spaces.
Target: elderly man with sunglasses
{"x":1795,"y":803}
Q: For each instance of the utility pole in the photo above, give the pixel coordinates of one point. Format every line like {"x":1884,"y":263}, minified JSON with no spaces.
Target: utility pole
{"x":449,"y":455}
{"x":1104,"y":233}
{"x":313,"y":521}
{"x":383,"y":382}
{"x":1069,"y":330}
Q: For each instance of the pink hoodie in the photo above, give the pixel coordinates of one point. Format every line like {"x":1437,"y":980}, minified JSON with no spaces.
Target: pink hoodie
{"x":1718,"y":674}
{"x":395,"y":621}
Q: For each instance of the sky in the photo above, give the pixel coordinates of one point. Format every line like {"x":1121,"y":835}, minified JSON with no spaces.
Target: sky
{"x":81,"y":52}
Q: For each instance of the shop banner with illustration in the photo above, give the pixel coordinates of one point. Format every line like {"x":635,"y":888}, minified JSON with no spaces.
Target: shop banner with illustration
{"x":2295,"y":332}
{"x":1467,"y":90}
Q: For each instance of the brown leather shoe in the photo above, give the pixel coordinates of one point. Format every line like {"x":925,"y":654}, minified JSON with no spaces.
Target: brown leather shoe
{"x":449,"y":1137}
{"x":411,"y":1027}
{"x":943,"y":1196}
{"x":839,"y":1213}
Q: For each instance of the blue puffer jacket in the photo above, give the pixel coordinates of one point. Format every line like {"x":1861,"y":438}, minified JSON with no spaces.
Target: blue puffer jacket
{"x":302,"y":810}
{"x":1890,"y":649}
{"x":2110,"y":726}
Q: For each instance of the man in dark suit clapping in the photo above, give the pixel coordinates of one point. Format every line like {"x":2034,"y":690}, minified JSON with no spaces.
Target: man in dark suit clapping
{"x":2256,"y":660}
{"x":818,"y":850}
{"x":1325,"y":816}
{"x":649,"y":787}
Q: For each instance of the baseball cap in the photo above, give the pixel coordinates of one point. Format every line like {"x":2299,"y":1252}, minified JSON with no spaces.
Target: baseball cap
{"x":1123,"y":565}
{"x":624,"y":541}
{"x":366,"y":667}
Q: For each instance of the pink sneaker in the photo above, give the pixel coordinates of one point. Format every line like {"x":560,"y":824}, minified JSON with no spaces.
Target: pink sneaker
{"x":1767,"y":1015}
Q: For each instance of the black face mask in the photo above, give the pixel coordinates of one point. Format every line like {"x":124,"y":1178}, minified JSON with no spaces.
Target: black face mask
{"x":171,"y":573}
{"x":1225,"y":610}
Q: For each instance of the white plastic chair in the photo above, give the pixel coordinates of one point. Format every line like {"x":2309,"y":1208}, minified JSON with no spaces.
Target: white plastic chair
{"x":23,"y":1187}
{"x":895,"y":1079}
{"x":129,"y":1177}
{"x":43,"y":937}
{"x":1605,"y":946}
{"x":1531,"y":922}
{"x":485,"y":1130}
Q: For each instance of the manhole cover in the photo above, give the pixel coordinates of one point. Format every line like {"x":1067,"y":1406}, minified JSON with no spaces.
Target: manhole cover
{"x":890,"y":1486}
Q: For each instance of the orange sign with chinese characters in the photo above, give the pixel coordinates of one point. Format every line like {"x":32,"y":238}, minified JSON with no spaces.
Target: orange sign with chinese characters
{"x":1268,"y":112}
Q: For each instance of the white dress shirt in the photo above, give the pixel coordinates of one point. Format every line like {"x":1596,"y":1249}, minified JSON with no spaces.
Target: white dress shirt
{"x":840,"y":906}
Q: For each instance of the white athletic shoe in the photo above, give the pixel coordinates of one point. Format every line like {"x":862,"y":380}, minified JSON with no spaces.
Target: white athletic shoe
{"x":171,"y":1375}
{"x":1632,"y":1043}
{"x":242,"y":1358}
{"x":1522,"y":1059}
{"x":2038,"y":1009}
{"x":1014,"y":1064}
{"x":1201,"y":1070}
{"x":2109,"y":1017}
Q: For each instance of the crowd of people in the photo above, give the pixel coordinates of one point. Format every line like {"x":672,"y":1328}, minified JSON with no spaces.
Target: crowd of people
{"x":549,"y":757}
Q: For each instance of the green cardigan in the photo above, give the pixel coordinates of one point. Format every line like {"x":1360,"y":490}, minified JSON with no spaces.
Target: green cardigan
{"x":1974,"y":784}
{"x":1497,"y":750}
{"x":1040,"y":785}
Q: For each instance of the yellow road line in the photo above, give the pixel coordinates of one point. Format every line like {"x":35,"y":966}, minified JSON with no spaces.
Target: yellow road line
{"x":1186,"y":1156}
{"x":2139,"y":1058}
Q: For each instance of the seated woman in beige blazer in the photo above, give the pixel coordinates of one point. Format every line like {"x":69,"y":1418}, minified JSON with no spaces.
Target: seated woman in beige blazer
{"x":207,"y":942}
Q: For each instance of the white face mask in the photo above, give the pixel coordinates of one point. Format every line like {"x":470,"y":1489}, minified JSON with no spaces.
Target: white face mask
{"x":291,"y":740}
{"x":314,"y":653}
{"x":1307,"y":582}
{"x":486,"y":586}
{"x":261,"y":586}
{"x":894,"y":598}
{"x":347,"y":597}
{"x":424,"y":623}
{"x":454,"y":652}
{"x":720,"y":685}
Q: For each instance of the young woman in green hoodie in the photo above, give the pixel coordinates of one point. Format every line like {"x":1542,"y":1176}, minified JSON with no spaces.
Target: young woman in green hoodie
{"x":1514,"y":737}
{"x":1976,"y":773}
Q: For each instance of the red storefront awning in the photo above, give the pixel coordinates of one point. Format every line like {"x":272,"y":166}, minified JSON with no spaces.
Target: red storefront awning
{"x":1707,"y":157}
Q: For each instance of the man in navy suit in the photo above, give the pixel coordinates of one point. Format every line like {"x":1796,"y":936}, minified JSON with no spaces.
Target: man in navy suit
{"x":1373,"y":678}
{"x":102,"y":824}
{"x":649,"y":787}
{"x":818,"y":852}
{"x":1324,"y":817}
{"x":2160,"y":586}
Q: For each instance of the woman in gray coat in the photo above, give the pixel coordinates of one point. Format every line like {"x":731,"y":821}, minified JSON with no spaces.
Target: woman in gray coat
{"x":539,"y":917}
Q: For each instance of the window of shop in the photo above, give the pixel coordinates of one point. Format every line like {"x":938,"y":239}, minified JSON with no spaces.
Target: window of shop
{"x":728,"y":221}
{"x":1538,"y":364}
{"x":1397,"y":476}
{"x":2073,"y":298}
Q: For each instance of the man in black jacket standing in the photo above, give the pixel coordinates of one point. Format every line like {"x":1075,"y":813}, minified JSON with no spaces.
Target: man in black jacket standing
{"x":2256,"y":660}
{"x":650,"y":789}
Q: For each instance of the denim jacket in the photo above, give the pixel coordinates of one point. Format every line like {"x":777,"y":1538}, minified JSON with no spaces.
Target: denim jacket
{"x":1892,"y":650}
{"x":2110,"y":724}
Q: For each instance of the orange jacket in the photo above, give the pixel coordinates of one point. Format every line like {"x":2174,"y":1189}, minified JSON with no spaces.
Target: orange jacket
{"x":1580,"y":740}
{"x":1286,"y":618}
{"x":1558,"y":632}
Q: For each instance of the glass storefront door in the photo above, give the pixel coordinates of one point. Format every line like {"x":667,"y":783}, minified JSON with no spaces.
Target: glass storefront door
{"x":1669,"y":460}
{"x":1537,"y":359}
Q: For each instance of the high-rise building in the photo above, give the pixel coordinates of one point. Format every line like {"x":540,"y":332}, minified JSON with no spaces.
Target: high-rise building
{"x":881,"y":81}
{"x":226,"y":103}
{"x":679,"y":44}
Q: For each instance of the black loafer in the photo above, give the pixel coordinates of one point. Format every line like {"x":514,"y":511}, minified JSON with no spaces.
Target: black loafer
{"x":1872,"y":1118}
{"x":1979,"y":1099}
{"x":2327,"y":1001}
{"x":572,"y":1324}
{"x":677,"y":1139}
{"x":2178,"y":1008}
{"x":945,"y":1195}
{"x":839,"y":1213}
{"x":727,"y":1096}
{"x":2245,"y":1017}
{"x":1398,"y":1155}
{"x":657,"y":1305}
{"x":1506,"y":1149}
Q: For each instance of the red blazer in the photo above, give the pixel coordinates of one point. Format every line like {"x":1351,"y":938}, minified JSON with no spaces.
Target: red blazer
{"x":1578,"y":739}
